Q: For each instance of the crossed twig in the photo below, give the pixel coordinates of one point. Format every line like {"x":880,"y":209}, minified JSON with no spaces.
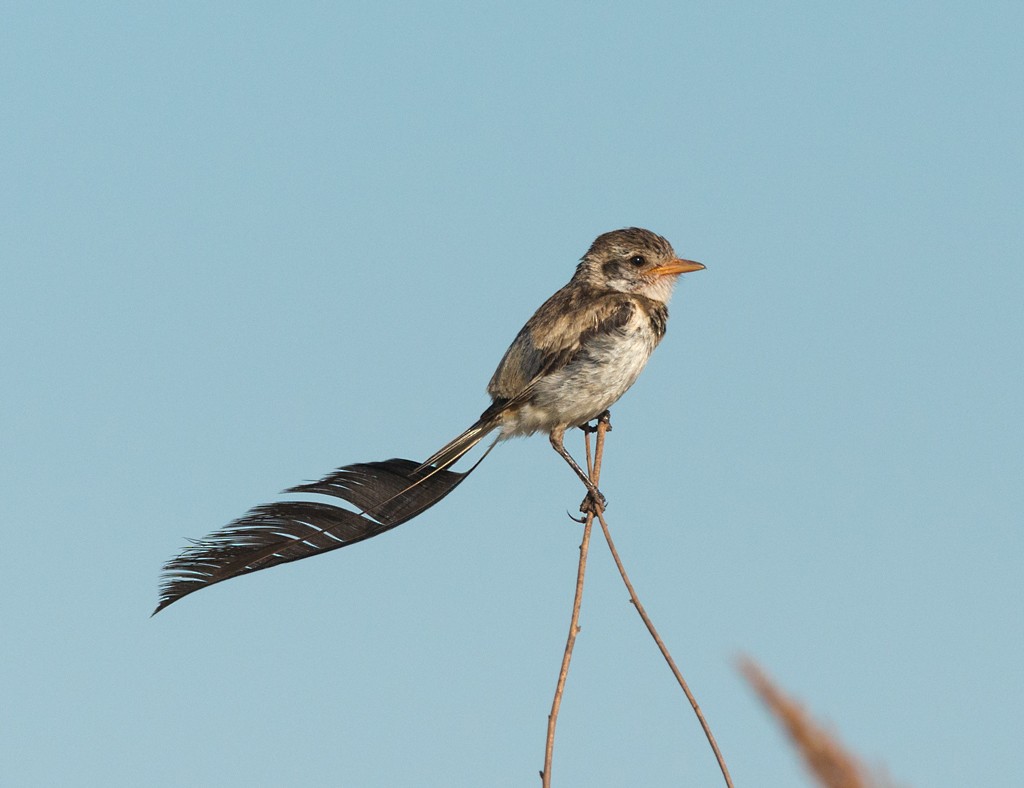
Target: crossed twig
{"x":595,"y":509}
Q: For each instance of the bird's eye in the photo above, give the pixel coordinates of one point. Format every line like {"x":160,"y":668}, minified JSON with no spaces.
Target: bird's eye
{"x":637,"y":260}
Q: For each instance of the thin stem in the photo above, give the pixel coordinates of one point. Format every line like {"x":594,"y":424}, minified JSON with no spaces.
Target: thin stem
{"x":664,"y":651}
{"x":594,"y":471}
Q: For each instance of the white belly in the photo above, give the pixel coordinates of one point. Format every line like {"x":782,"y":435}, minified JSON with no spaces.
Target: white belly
{"x":584,"y":389}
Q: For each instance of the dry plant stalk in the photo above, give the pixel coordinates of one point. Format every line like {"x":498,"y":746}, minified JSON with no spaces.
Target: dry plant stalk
{"x":594,"y":472}
{"x":665,"y":653}
{"x":831,"y":764}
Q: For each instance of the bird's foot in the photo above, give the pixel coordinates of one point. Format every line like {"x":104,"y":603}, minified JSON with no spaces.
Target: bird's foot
{"x":606,"y":417}
{"x":595,"y":503}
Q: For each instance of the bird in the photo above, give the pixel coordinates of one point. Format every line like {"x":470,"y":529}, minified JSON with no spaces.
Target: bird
{"x":572,"y":360}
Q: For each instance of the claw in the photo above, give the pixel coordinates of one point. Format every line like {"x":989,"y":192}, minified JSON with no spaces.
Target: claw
{"x":580,"y":520}
{"x":605,"y":417}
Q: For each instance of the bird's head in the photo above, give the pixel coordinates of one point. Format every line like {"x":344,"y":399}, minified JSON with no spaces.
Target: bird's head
{"x":633,"y":261}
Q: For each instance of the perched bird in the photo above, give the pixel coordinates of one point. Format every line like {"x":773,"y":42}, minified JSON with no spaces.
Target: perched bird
{"x":577,"y":355}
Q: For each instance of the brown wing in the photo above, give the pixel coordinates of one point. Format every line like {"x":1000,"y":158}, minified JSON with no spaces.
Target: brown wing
{"x":555,"y":335}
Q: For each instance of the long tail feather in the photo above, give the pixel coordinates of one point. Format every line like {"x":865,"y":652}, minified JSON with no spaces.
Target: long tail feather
{"x":456,"y":448}
{"x":387,"y":493}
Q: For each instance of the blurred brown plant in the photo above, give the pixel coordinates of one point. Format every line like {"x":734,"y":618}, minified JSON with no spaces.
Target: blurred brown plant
{"x":831,"y":764}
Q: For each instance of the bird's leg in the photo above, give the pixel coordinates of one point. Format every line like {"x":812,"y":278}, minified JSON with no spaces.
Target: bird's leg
{"x":594,"y":500}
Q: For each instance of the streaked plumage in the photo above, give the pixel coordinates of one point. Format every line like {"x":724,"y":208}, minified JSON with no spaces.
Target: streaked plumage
{"x":577,"y":355}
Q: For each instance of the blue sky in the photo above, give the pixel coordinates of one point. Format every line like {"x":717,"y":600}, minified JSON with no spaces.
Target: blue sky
{"x":243,"y":244}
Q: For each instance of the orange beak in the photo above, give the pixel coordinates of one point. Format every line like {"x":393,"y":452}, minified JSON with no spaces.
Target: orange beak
{"x":676,"y":267}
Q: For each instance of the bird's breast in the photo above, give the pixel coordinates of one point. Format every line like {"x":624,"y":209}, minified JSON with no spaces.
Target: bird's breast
{"x":600,"y":374}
